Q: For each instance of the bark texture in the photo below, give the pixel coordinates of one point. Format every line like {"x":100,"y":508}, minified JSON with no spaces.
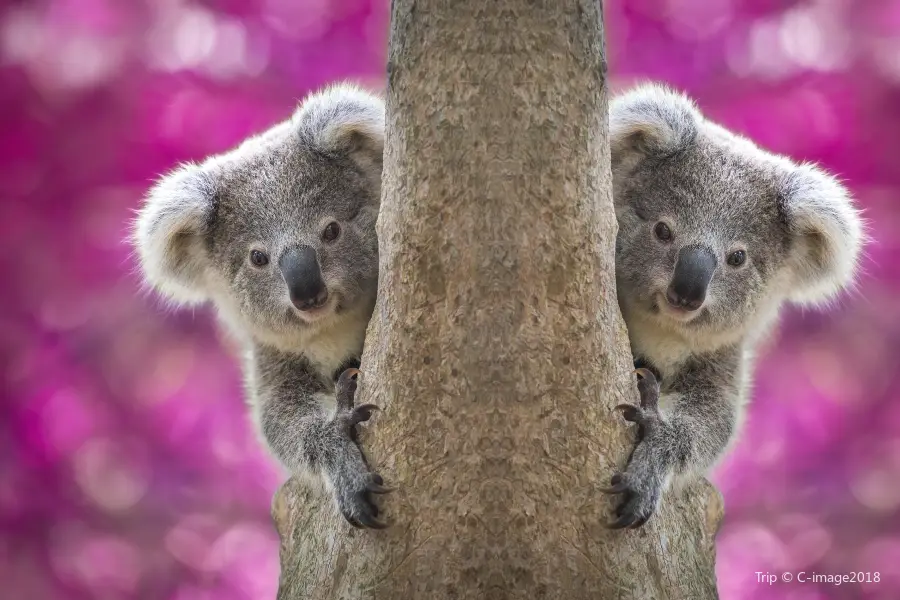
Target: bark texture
{"x":497,"y":349}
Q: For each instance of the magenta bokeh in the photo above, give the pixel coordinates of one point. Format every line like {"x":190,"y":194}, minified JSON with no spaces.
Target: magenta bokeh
{"x":127,"y":466}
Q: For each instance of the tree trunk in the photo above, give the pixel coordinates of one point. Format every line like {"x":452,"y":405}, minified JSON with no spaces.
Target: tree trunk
{"x":497,"y":349}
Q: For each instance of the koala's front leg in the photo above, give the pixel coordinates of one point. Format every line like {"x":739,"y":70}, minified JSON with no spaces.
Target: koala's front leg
{"x":686,"y":440}
{"x":344,"y":464}
{"x":291,"y":408}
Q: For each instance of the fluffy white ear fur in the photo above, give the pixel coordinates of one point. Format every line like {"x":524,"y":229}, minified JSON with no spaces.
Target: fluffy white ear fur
{"x":168,"y":233}
{"x":345,"y":119}
{"x":650,"y":119}
{"x":828,"y":231}
{"x":178,"y":211}
{"x":828,"y":234}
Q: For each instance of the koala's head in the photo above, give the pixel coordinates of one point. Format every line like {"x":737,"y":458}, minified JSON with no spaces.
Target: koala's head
{"x":280,"y":232}
{"x":712,"y":229}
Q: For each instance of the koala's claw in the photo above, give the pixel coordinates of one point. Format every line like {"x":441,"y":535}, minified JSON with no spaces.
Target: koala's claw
{"x":648,"y":388}
{"x":365,"y":518}
{"x":644,"y":373}
{"x":617,"y":486}
{"x":629,"y":521}
{"x":350,"y":373}
{"x":641,"y":484}
{"x":362,"y":413}
{"x":646,"y":414}
{"x":629,"y":412}
{"x":353,"y":481}
{"x":377,"y":488}
{"x":345,"y":389}
{"x":638,"y":504}
{"x":647,"y":419}
{"x":357,"y":503}
{"x":364,"y":522}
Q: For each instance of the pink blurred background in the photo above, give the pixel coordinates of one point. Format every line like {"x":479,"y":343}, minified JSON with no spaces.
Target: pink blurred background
{"x":127,"y":467}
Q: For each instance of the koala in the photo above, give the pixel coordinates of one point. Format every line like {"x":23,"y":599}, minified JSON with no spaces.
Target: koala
{"x":278,"y":235}
{"x":715,"y":235}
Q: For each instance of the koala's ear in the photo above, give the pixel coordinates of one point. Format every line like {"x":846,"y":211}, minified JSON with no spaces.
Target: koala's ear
{"x":169,"y":233}
{"x":826,"y":233}
{"x":345,"y":119}
{"x":650,"y":120}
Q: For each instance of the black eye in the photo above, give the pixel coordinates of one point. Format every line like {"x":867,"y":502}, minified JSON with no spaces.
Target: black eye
{"x":259,"y":258}
{"x":331,"y":232}
{"x":737,"y":258}
{"x":662,"y":232}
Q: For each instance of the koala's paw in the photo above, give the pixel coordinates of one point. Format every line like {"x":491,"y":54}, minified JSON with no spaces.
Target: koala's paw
{"x":643,"y":481}
{"x":352,"y":480}
{"x":645,"y":415}
{"x":641,"y":488}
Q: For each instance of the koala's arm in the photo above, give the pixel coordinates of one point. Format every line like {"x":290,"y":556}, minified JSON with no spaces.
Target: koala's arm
{"x":681,"y":432}
{"x":293,"y":406}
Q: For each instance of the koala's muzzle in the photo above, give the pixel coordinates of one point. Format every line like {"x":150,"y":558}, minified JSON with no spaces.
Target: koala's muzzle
{"x":693,"y":272}
{"x":303,"y":277}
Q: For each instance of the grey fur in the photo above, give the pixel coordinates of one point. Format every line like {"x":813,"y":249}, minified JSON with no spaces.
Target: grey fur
{"x":275,"y":192}
{"x":715,"y":190}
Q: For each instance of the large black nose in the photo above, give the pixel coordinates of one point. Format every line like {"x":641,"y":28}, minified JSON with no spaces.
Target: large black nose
{"x":693,"y":272}
{"x":301,"y":272}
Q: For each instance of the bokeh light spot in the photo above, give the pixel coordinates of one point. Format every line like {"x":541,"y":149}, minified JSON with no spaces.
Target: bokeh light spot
{"x":113,"y":476}
{"x":877,"y":489}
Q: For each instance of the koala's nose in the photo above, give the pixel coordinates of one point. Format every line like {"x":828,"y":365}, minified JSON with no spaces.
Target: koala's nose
{"x":303,"y":277}
{"x":693,"y":272}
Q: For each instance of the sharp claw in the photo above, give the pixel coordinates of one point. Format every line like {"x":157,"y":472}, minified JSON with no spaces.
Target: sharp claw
{"x":377,"y":488}
{"x":615,"y":489}
{"x":349,"y":373}
{"x":639,"y":522}
{"x":617,"y":485}
{"x":629,"y":412}
{"x":643,"y":373}
{"x":353,"y":521}
{"x":372,"y":522}
{"x":346,"y":383}
{"x":363,"y":413}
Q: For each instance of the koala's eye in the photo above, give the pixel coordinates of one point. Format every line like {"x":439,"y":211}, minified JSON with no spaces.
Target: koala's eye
{"x":662,"y":232}
{"x":259,"y":258}
{"x":331,"y":232}
{"x":737,"y":258}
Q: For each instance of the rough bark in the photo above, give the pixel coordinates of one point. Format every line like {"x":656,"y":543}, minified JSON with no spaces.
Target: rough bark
{"x":497,"y":349}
